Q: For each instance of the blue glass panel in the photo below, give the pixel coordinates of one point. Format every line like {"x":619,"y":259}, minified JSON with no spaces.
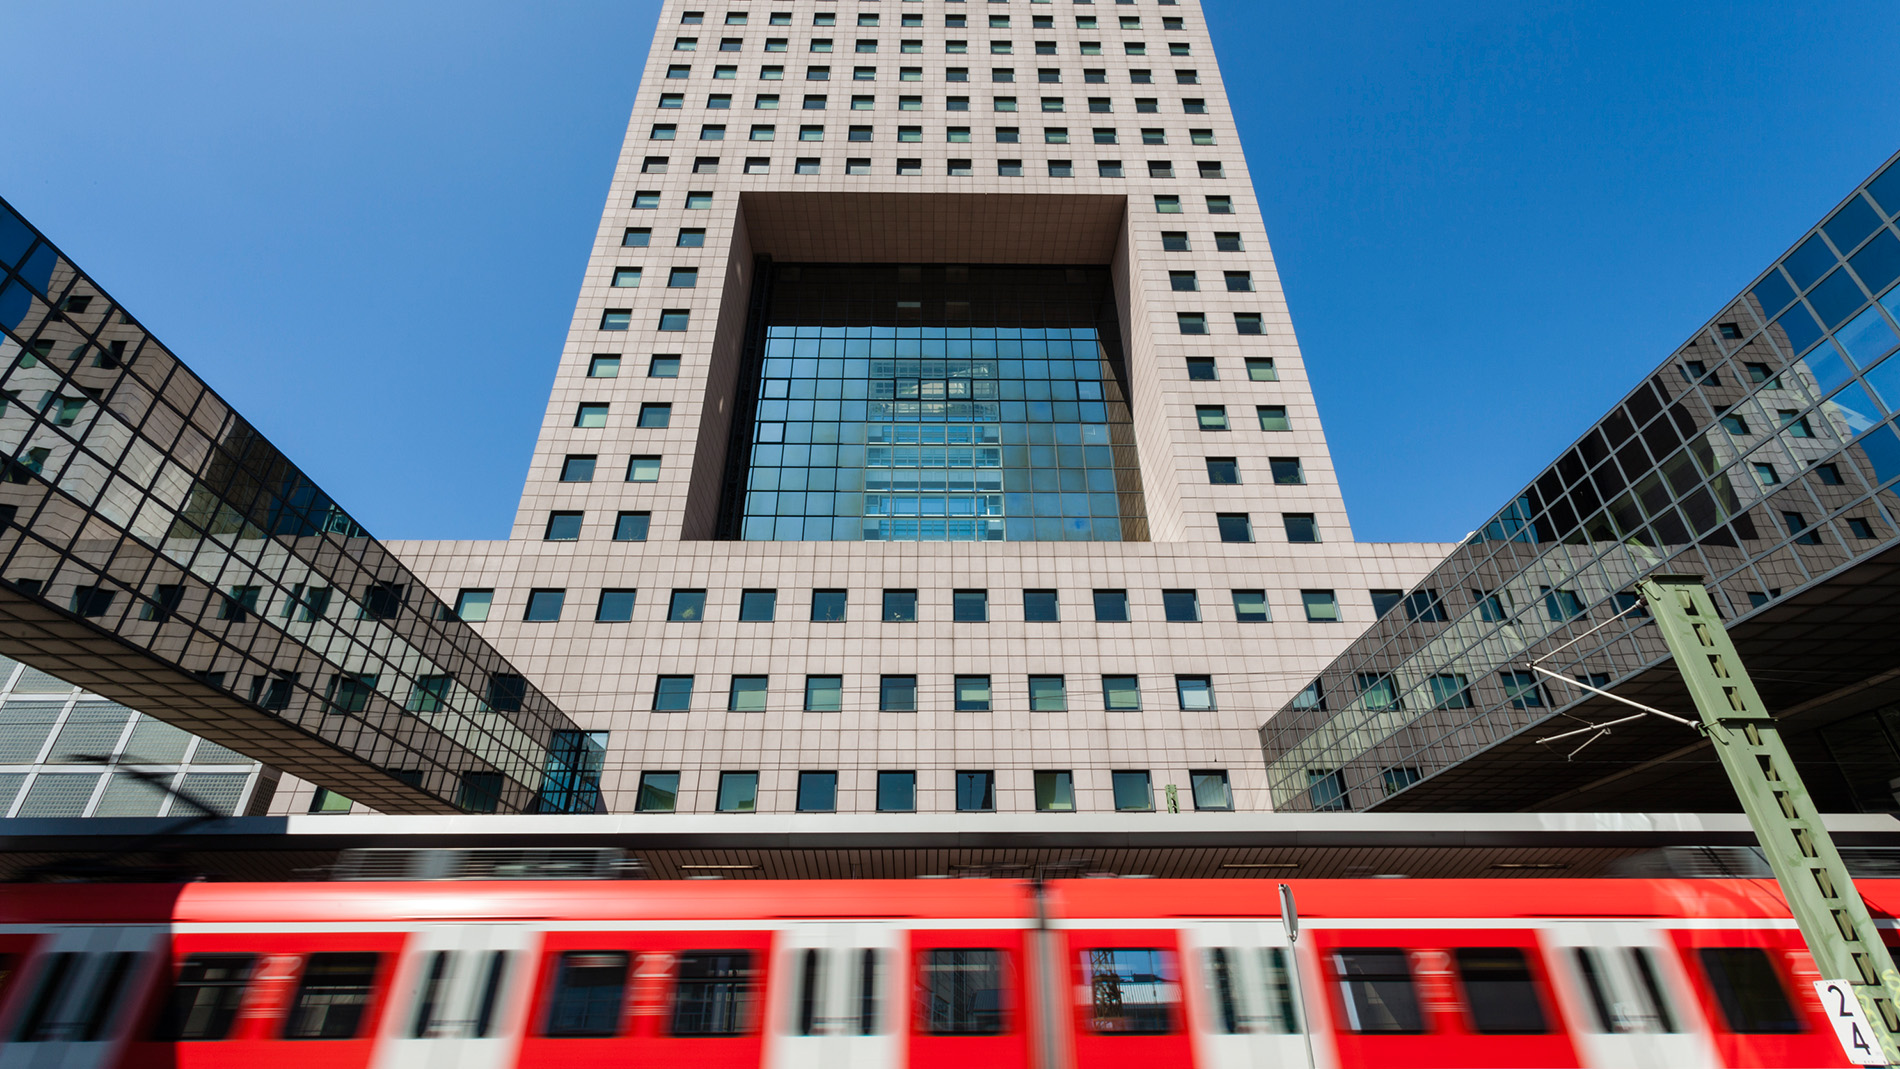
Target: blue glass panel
{"x":1851,"y":225}
{"x":1868,"y":337}
{"x":1836,"y":298}
{"x":1886,"y":190}
{"x":1882,"y":450}
{"x":15,"y":299}
{"x":1827,"y":366}
{"x":1886,"y":382}
{"x":15,"y":236}
{"x":37,"y":271}
{"x":1800,"y":327}
{"x":1773,"y":292}
{"x":1808,"y":262}
{"x":1878,"y":263}
{"x":1852,"y":409}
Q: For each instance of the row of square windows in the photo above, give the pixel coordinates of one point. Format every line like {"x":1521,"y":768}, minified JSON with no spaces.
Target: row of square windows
{"x":965,"y":168}
{"x":961,"y":75}
{"x":914,"y":46}
{"x":475,"y":605}
{"x":593,"y":415}
{"x":898,"y":694}
{"x":1133,"y":791}
{"x":679,"y":319}
{"x":916,"y":18}
{"x":694,"y":237}
{"x":1199,"y":368}
{"x":955,"y":135}
{"x":1178,"y":281}
{"x":566,"y":526}
{"x":868,"y":102}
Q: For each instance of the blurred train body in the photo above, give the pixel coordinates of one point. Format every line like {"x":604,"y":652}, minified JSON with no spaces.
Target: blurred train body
{"x":1110,"y":973}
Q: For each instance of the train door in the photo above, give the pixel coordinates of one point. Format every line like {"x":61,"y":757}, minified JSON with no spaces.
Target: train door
{"x":461,"y":996}
{"x":1126,"y":1011}
{"x":1755,"y":987}
{"x":1630,"y":996}
{"x":76,"y":996}
{"x":1246,"y":1006}
{"x":971,"y":1004}
{"x":840,"y":1001}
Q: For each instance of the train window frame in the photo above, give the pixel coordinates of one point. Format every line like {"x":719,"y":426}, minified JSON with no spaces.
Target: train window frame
{"x":432,"y":985}
{"x":368,"y":968}
{"x":171,"y":1020}
{"x":1165,"y":981}
{"x":1723,"y":989}
{"x":966,"y":1020}
{"x":494,"y":978}
{"x":808,"y":976}
{"x":1487,"y":1013}
{"x":566,"y":970}
{"x":1654,"y":1016}
{"x":1232,"y":1009}
{"x":729,"y":993}
{"x":1350,"y":984}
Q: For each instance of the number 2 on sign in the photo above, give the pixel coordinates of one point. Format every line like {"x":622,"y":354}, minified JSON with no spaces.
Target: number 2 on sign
{"x":1850,"y":1026}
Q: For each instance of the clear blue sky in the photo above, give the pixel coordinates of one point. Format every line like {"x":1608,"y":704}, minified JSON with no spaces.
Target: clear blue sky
{"x":365,"y":224}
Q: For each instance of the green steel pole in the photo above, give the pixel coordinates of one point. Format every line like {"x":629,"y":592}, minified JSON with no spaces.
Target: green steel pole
{"x":1833,"y":919}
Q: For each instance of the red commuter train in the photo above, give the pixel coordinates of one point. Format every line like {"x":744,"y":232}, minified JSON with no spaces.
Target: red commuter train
{"x":927,"y":973}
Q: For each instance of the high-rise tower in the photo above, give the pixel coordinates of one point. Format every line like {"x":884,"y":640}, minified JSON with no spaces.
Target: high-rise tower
{"x":931,"y":432}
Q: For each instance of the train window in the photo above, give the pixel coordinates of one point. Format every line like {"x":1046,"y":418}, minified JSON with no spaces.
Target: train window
{"x":587,"y":994}
{"x":37,"y":1023}
{"x":114,"y":970}
{"x":435,"y":978}
{"x":810,"y":978}
{"x":712,"y":992}
{"x":332,"y":996}
{"x":1130,"y":990}
{"x":489,"y":993}
{"x":1748,"y":990}
{"x":1501,"y":991}
{"x":1220,"y":974}
{"x":1378,"y":991}
{"x":867,"y":992}
{"x":962,"y":992}
{"x":1279,"y":991}
{"x":1238,"y":1010}
{"x":1631,"y":1003}
{"x":205,"y":996}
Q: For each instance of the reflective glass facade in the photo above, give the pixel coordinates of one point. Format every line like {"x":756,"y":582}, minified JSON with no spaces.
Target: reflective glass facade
{"x":937,"y":403}
{"x":155,"y":548}
{"x":1762,"y":457}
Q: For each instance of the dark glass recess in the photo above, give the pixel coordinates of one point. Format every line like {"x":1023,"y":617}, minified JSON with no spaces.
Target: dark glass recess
{"x":933,"y":403}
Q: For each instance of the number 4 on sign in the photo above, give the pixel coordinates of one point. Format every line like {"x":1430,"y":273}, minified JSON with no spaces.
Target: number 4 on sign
{"x":1850,"y":1026}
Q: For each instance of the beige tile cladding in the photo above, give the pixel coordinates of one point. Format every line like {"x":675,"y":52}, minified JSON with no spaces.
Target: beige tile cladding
{"x":603,"y":675}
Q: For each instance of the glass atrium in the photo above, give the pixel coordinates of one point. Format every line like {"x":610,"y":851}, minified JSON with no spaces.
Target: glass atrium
{"x":935,"y":403}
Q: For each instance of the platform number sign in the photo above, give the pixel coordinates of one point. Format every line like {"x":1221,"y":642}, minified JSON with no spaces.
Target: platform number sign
{"x":1843,"y":1012}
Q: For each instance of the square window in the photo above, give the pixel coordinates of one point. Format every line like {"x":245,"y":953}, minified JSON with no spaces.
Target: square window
{"x":631,"y":526}
{"x":747,"y":694}
{"x":1133,"y":792}
{"x":973,"y":694}
{"x":1094,"y":75}
{"x":824,"y":694}
{"x":864,"y":74}
{"x":1182,"y":282}
{"x":805,"y":165}
{"x":758,"y":606}
{"x":663,"y":367}
{"x":1191,"y":322}
{"x":679,"y":70}
{"x":605,"y":366}
{"x":1041,"y":606}
{"x":1055,"y":135}
{"x":897,"y":694}
{"x":1211,"y":790}
{"x":1175,"y":241}
{"x":1108,"y":169}
{"x":738,"y":792}
{"x":691,"y":238}
{"x":1111,"y":606}
{"x":863,"y":103}
{"x":900,"y":606}
{"x":910,"y":134}
{"x":811,"y":133}
{"x":956,"y":104}
{"x":706,"y":165}
{"x":1061,"y":169}
{"x":1051,"y":104}
{"x":1055,"y":792}
{"x":897,"y":792}
{"x":814,"y":102}
{"x":1287,"y":471}
{"x":1238,"y":281}
{"x":910,"y":74}
{"x":1248,"y":323}
{"x":590,"y":416}
{"x":544,"y":606}
{"x":712,"y":132}
{"x":764,"y":133}
{"x":1234,"y":527}
{"x":654,"y":165}
{"x":911,"y":166}
{"x":1228,"y":241}
{"x":659,"y":792}
{"x":577,"y":469}
{"x":616,"y":319}
{"x":1261,"y":369}
{"x":1047,"y":75}
{"x":1160,"y":169}
{"x":817,"y":792}
{"x":1187,"y":77}
{"x":957,"y":135}
{"x":663,"y":132}
{"x":970,"y":606}
{"x":1300,"y":527}
{"x":1121,"y":693}
{"x":616,"y":607}
{"x":717,"y":102}
{"x":957,"y":74}
{"x":1195,"y":692}
{"x":1272,"y":417}
{"x":1104,"y":136}
{"x":1047,"y":694}
{"x":1250,"y":607}
{"x":473,"y":605}
{"x":725,"y":73}
{"x":765,"y":102}
{"x":654,"y":416}
{"x":1167,"y":205}
{"x":857,"y":165}
{"x":976,"y":792}
{"x":682,"y":278}
{"x":675,"y":319}
{"x":1322,"y":606}
{"x":858,"y":133}
{"x":1223,"y":471}
{"x":827,"y":606}
{"x":1202,"y":369}
{"x":1009,"y":168}
{"x":686,"y":607}
{"x":1211,"y":417}
{"x":672,"y":694}
{"x":1181,"y":606}
{"x":643,"y":469}
{"x":636,"y":237}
